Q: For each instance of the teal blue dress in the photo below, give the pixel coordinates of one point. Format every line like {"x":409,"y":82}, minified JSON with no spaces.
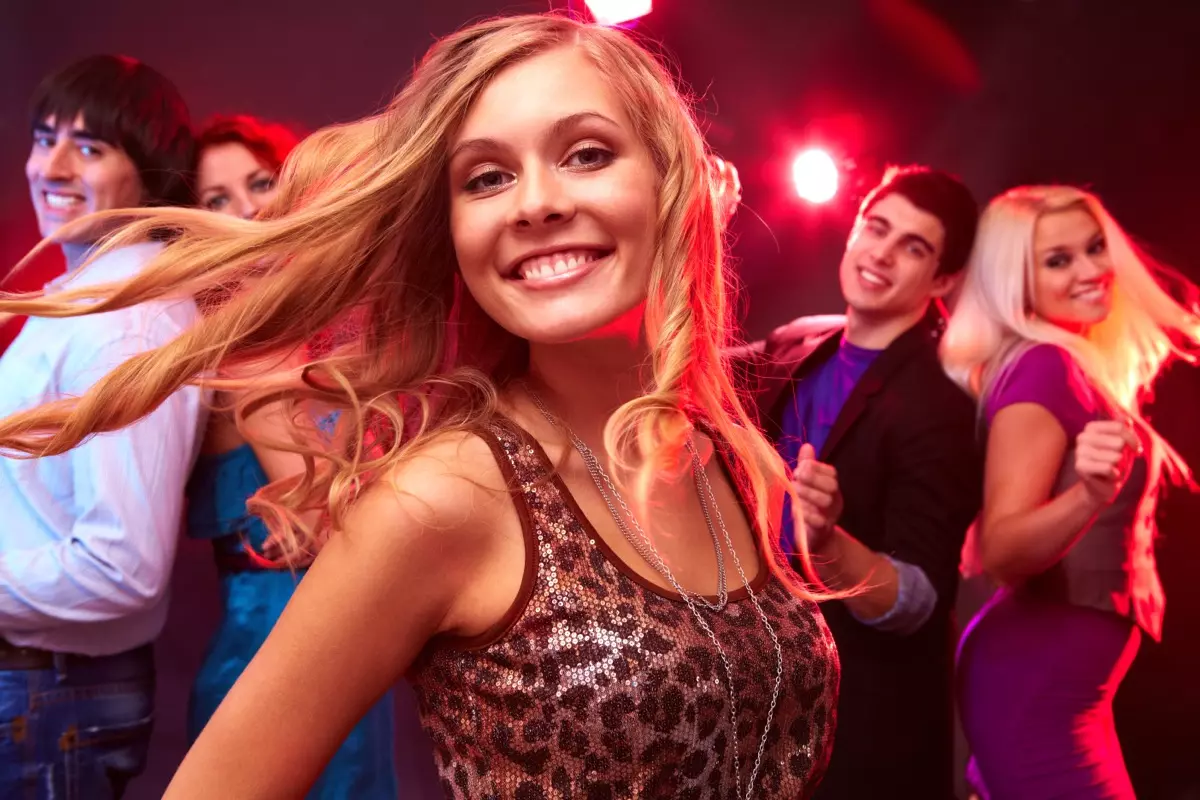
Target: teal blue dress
{"x":252,"y":600}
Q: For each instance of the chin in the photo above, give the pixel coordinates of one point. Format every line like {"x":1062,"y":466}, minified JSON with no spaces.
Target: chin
{"x":567,"y":331}
{"x":875,"y":308}
{"x":1092,"y":314}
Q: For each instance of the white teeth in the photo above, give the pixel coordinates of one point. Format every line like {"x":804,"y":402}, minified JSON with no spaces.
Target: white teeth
{"x":62,"y":200}
{"x":871,"y":277}
{"x":555,"y":264}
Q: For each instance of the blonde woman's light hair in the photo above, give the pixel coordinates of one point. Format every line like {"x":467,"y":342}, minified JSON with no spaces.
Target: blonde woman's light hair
{"x":358,"y":238}
{"x":993,"y":322}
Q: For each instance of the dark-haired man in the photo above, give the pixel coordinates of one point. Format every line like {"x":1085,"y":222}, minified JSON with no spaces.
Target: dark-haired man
{"x":88,"y":538}
{"x":887,"y":467}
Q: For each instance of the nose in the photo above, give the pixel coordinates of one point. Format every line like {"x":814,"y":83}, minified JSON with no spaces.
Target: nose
{"x":540,"y":198}
{"x":242,"y":205}
{"x":1092,"y":268}
{"x":883,"y":251}
{"x":56,"y":164}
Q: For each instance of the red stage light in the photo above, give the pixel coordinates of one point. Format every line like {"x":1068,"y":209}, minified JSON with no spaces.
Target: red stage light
{"x":614,"y":12}
{"x":815,"y":176}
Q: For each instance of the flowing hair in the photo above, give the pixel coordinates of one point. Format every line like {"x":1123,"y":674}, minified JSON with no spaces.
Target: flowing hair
{"x":992,"y":324}
{"x":360,"y":230}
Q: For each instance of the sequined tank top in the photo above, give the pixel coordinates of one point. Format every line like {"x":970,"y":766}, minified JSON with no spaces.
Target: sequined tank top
{"x":598,"y":684}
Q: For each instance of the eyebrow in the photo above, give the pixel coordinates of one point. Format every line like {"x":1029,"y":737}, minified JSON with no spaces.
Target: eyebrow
{"x":916,"y":237}
{"x":560,"y":127}
{"x":76,"y":133}
{"x":908,"y":237}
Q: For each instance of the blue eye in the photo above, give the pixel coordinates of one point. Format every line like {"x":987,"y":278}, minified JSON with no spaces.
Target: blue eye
{"x":1058,"y":260}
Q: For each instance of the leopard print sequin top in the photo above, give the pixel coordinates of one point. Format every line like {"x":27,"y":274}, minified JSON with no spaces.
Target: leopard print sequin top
{"x":600,"y":685}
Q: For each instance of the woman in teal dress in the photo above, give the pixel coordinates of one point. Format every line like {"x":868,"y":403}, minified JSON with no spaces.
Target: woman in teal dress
{"x":239,"y":157}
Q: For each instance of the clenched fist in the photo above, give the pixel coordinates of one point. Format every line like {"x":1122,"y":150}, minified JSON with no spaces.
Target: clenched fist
{"x":1104,"y":453}
{"x":820,"y":498}
{"x":729,"y":186}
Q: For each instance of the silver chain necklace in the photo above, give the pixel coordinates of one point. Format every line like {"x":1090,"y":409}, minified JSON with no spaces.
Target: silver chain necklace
{"x":605,"y":486}
{"x":641,"y":542}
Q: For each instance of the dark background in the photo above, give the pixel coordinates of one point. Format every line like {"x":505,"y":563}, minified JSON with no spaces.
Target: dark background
{"x":1097,"y":92}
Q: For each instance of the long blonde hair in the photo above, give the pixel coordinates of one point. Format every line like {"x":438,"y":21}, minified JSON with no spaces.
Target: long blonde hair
{"x":1122,"y":356}
{"x":360,"y":230}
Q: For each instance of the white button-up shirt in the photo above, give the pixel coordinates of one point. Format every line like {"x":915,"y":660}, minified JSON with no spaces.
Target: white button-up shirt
{"x":87,"y":538}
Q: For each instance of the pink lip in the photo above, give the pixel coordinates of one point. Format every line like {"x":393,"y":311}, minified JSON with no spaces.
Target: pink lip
{"x":562,"y":279}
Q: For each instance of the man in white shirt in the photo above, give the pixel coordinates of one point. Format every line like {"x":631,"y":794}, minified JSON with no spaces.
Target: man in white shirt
{"x":87,"y":539}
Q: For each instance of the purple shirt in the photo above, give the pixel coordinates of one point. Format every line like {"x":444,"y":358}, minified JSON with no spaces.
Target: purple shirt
{"x":1047,"y":375}
{"x":1112,"y":566}
{"x":814,"y":410}
{"x":810,"y":419}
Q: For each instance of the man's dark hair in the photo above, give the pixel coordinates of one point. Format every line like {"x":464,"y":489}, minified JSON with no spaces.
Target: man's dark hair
{"x":942,"y":195}
{"x":130,"y":106}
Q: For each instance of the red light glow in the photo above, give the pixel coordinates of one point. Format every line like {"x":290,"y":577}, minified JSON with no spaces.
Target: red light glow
{"x":614,"y":12}
{"x":815,"y":176}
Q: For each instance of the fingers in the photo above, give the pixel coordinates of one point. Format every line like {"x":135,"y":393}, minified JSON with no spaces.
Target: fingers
{"x":1100,"y":445}
{"x":1108,"y":437}
{"x":814,"y":474}
{"x":728,"y":183}
{"x":1100,"y":462}
{"x":1098,"y":468}
{"x":817,"y":476}
{"x":1109,"y":430}
{"x":817,"y":499}
{"x":816,"y":487}
{"x":1132,"y":439}
{"x":1105,"y":449}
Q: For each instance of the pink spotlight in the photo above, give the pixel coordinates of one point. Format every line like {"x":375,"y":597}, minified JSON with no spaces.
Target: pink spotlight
{"x":815,"y":175}
{"x":614,"y":12}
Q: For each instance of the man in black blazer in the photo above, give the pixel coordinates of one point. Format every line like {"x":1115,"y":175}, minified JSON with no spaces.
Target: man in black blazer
{"x":888,"y":468}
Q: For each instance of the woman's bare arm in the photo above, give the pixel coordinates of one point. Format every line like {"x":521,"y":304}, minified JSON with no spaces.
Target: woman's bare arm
{"x":1023,"y":532}
{"x":442,"y":553}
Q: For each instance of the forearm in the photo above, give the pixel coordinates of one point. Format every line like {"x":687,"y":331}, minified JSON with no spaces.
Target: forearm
{"x":842,"y":562}
{"x":123,"y":505}
{"x":1018,"y":546}
{"x":68,"y":582}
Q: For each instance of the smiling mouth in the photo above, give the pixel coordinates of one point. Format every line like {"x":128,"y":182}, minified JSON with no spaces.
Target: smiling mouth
{"x":552,"y":265}
{"x":1093,"y":295}
{"x":873,"y":278}
{"x":59,"y":201}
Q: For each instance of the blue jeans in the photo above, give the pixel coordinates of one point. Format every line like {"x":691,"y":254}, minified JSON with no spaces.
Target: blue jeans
{"x":79,"y":730}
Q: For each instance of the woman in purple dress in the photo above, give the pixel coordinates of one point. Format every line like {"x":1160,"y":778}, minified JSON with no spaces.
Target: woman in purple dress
{"x":1061,"y":331}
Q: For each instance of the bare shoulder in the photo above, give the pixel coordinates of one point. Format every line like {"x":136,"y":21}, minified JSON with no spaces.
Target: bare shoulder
{"x":447,"y":506}
{"x":450,"y":484}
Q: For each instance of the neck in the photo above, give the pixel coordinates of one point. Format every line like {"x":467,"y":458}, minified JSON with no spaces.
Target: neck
{"x":877,"y":333}
{"x":76,"y":254}
{"x":584,"y":382}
